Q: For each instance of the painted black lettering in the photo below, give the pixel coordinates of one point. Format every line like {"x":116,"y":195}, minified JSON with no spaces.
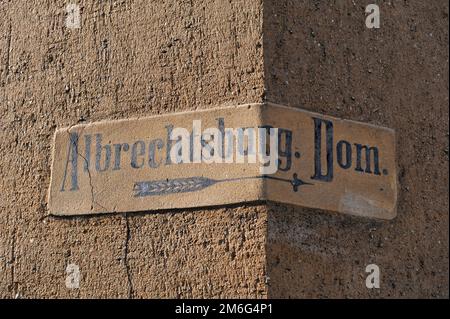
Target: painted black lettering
{"x":98,"y":154}
{"x":118,"y":148}
{"x":135,"y":153}
{"x":159,"y":144}
{"x":169,"y":129}
{"x":286,"y":151}
{"x":368,"y":152}
{"x":221,"y":127}
{"x":87,"y":152}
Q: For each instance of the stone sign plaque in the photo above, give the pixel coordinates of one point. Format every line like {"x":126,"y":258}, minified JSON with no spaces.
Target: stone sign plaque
{"x":225,"y":156}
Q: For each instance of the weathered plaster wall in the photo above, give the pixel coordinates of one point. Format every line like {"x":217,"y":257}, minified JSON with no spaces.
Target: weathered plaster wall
{"x":135,"y":58}
{"x":130,"y":58}
{"x":320,"y":56}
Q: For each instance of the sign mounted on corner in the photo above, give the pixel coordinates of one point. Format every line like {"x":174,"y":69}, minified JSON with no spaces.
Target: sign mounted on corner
{"x":225,"y":156}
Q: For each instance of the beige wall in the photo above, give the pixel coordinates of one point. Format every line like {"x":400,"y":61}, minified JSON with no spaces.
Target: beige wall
{"x":130,"y":58}
{"x":135,"y":58}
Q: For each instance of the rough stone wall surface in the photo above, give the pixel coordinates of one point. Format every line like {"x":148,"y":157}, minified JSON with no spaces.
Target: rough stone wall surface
{"x":320,"y":56}
{"x":130,"y":58}
{"x":135,"y":58}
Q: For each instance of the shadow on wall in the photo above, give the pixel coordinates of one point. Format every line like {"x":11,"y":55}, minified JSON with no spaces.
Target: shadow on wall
{"x":320,"y":56}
